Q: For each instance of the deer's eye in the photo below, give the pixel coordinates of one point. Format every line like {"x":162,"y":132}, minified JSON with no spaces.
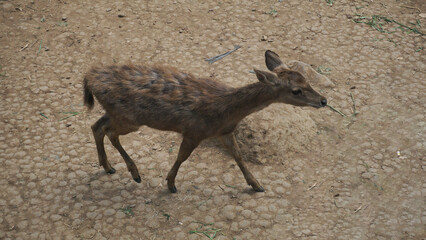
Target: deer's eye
{"x":296,"y":91}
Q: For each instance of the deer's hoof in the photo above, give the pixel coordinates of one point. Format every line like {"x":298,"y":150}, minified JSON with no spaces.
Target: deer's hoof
{"x":173,"y":189}
{"x":259,"y":189}
{"x":111,"y":171}
{"x":138,"y":179}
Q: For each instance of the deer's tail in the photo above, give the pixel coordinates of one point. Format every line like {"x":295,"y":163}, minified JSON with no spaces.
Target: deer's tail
{"x":88,"y":96}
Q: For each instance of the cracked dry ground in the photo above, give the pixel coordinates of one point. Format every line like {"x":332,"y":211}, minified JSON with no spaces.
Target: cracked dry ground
{"x":325,"y":176}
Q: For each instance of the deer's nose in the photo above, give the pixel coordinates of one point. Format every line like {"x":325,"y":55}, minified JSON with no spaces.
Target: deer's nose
{"x":324,"y":102}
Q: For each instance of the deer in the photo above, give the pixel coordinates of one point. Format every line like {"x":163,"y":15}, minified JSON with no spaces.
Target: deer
{"x":164,"y":98}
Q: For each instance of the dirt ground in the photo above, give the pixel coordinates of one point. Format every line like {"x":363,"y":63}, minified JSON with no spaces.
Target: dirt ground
{"x":361,"y":176}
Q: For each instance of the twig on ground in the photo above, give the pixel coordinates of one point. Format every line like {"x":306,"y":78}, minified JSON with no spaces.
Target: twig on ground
{"x":33,"y":43}
{"x":416,"y":8}
{"x":335,"y":203}
{"x":313,"y":185}
{"x":339,"y":112}
{"x":31,"y":8}
{"x":23,"y":48}
{"x":353,"y":105}
{"x":71,"y":227}
{"x":218,"y":57}
{"x":359,"y":208}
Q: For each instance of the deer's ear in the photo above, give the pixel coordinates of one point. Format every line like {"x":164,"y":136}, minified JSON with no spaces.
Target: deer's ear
{"x":273,"y":61}
{"x":267,"y":77}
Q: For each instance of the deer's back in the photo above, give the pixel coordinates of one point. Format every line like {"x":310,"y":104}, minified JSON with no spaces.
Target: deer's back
{"x":157,"y":96}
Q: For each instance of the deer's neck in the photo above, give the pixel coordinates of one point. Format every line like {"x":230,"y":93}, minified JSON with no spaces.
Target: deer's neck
{"x":248,"y":99}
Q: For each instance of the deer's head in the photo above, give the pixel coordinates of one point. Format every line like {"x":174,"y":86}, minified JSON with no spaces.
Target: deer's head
{"x":291,"y":86}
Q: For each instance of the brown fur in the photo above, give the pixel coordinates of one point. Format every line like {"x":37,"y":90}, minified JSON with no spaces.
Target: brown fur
{"x":168,"y":99}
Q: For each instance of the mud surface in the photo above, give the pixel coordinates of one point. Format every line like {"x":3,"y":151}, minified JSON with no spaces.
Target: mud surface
{"x":325,"y":176}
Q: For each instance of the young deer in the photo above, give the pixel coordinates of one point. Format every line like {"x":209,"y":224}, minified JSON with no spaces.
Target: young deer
{"x":167,"y":99}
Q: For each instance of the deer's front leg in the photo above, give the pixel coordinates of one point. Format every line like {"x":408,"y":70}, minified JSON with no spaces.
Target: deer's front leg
{"x":231,"y":144}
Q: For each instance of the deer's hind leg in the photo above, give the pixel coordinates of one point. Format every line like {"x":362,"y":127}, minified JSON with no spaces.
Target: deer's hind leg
{"x":99,"y":134}
{"x":186,"y":147}
{"x":231,"y":144}
{"x":113,"y":134}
